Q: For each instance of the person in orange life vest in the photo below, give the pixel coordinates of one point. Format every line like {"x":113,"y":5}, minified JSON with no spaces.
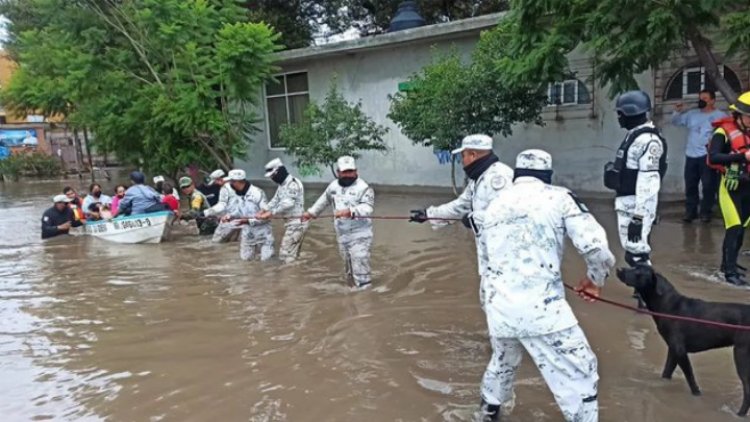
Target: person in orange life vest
{"x":76,"y":203}
{"x":729,"y":153}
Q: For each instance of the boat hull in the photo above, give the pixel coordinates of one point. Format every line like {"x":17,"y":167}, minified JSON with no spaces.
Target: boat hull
{"x":141,"y":228}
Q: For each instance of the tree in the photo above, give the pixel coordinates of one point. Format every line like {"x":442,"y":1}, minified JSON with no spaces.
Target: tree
{"x":625,"y":37}
{"x":330,"y":130}
{"x":449,"y":100}
{"x":165,"y":83}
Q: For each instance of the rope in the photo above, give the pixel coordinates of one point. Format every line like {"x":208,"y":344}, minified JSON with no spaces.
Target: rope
{"x":567,"y":286}
{"x":663,"y":315}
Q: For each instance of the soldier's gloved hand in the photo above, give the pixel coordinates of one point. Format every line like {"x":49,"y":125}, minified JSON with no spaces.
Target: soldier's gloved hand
{"x":732,"y":177}
{"x":466,"y":220}
{"x":635,"y":229}
{"x":418,"y":216}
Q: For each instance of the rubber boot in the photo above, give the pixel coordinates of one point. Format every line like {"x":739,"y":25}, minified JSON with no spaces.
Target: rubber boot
{"x":729,"y":259}
{"x":489,"y":412}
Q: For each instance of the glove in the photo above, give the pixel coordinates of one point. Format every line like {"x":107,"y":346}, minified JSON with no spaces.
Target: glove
{"x":418,"y":216}
{"x":468,"y":223}
{"x":635,"y":229}
{"x":732,"y":177}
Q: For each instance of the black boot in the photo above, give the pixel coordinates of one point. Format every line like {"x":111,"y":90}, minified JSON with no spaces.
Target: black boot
{"x":735,"y":279}
{"x":489,"y":412}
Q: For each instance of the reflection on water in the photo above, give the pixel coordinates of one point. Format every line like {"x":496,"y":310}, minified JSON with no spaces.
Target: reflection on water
{"x":184,"y":331}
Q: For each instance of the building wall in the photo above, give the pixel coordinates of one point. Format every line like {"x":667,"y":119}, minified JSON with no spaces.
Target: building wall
{"x":581,"y":138}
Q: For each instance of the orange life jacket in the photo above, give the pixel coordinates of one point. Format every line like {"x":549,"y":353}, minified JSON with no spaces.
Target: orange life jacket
{"x":739,"y":142}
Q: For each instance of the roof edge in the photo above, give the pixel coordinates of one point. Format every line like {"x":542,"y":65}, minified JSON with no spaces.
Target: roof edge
{"x":428,"y":32}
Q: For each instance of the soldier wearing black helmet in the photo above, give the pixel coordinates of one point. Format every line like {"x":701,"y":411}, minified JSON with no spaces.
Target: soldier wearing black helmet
{"x":636,"y":175}
{"x":729,"y":154}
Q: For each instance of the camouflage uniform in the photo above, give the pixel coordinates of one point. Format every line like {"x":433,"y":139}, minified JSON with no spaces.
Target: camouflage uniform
{"x":228,"y":231}
{"x":524,"y":233}
{"x":354,"y":234}
{"x":289,"y":202}
{"x":644,"y":155}
{"x":256,"y":234}
{"x":474,"y":200}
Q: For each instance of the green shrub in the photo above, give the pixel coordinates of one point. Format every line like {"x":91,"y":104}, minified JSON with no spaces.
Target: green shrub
{"x":32,"y":165}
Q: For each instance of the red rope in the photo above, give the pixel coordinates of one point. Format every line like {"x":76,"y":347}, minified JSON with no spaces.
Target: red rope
{"x":665,"y":316}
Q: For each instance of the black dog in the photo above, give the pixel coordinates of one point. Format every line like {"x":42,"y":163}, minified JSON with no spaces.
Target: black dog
{"x":684,"y":337}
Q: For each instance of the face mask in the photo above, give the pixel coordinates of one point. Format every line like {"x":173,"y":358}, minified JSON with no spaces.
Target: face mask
{"x":96,"y":194}
{"x":280,"y":175}
{"x":120,"y":195}
{"x":630,"y":122}
{"x":702,"y":104}
{"x":347,"y":181}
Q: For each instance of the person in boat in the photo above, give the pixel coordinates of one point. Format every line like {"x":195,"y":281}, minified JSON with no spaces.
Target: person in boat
{"x":198,"y":206}
{"x":139,"y":198}
{"x":75,"y":203}
{"x":94,"y":197}
{"x":159,"y":186}
{"x":59,"y":218}
{"x":212,"y":189}
{"x":94,"y":212}
{"x":119,"y":194}
{"x":169,"y":199}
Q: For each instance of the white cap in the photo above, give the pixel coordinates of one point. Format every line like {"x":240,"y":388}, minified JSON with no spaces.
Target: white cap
{"x":272,"y":166}
{"x":346,"y":163}
{"x":61,"y":198}
{"x":158,"y":179}
{"x":215,"y":175}
{"x":480,"y":142}
{"x":534,"y":159}
{"x":236,"y":174}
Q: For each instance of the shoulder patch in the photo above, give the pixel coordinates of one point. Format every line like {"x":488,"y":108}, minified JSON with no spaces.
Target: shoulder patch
{"x":46,"y":219}
{"x":578,"y":202}
{"x":498,"y":182}
{"x":655,"y":148}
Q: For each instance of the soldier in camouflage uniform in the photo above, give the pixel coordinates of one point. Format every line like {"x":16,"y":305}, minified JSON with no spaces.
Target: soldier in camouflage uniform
{"x":244,"y":204}
{"x":198,"y":206}
{"x":524,"y":233}
{"x":353,"y":201}
{"x":288,"y":202}
{"x":227,"y":231}
{"x":487,"y":177}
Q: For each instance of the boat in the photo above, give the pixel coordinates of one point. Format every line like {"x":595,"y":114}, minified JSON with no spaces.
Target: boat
{"x":140,"y":228}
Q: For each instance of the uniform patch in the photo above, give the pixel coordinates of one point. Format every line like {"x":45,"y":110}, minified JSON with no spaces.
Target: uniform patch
{"x":578,"y":202}
{"x":655,"y":150}
{"x":498,"y":182}
{"x":46,"y":219}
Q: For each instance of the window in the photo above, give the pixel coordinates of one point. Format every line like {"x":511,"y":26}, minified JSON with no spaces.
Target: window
{"x":690,"y":81}
{"x":286,"y":100}
{"x":568,"y":92}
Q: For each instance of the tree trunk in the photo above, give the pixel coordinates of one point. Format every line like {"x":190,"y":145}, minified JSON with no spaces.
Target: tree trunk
{"x":333,"y":171}
{"x":88,"y":153}
{"x":702,"y":47}
{"x":79,"y":152}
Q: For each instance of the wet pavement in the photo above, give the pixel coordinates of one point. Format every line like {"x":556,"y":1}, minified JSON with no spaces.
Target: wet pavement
{"x":184,"y":331}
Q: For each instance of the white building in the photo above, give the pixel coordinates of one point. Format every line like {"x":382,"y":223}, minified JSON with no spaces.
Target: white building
{"x":580,"y":131}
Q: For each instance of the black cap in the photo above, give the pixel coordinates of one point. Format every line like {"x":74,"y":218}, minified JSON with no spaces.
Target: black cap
{"x":137,"y":177}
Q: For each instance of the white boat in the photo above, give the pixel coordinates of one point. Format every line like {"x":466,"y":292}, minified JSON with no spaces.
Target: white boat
{"x":140,"y":228}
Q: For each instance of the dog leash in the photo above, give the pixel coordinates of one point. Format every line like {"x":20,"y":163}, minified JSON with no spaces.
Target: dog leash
{"x":663,"y":315}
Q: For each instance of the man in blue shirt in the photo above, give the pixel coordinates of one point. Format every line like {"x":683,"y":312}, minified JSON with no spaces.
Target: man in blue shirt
{"x":698,"y":122}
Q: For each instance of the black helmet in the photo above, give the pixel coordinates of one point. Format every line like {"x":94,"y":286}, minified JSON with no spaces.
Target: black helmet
{"x":137,"y":177}
{"x":633,"y":103}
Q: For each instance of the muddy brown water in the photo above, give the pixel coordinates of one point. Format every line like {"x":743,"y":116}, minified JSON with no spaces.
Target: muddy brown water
{"x":184,"y":331}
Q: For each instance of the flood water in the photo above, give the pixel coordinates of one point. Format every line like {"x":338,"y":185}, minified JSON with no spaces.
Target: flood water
{"x":184,"y":331}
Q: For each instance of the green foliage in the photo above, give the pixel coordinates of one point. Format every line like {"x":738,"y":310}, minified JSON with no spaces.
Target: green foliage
{"x":625,"y":37}
{"x":451,"y":100}
{"x":165,"y":83}
{"x":32,"y":164}
{"x":330,"y":130}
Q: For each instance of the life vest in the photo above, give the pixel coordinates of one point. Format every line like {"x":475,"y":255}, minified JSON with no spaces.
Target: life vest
{"x":77,"y":206}
{"x":623,"y":180}
{"x":739,"y":143}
